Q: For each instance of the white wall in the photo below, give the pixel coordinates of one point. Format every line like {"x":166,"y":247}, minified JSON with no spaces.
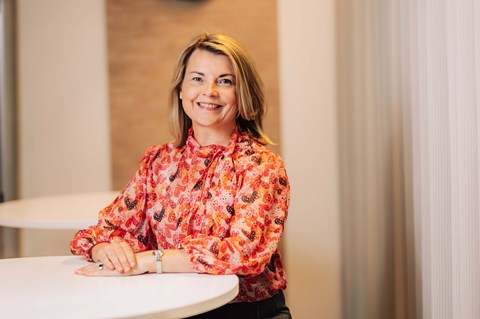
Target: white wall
{"x":309,"y":144}
{"x":63,"y":105}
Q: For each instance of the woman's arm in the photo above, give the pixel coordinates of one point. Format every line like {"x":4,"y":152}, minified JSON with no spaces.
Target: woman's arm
{"x":172,"y":261}
{"x":122,"y":225}
{"x":255,"y":228}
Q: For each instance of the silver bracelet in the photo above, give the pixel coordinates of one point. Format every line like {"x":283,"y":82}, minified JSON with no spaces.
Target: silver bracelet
{"x":158,"y":260}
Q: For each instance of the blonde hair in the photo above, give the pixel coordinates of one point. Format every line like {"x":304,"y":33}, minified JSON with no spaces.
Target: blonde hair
{"x":249,"y":88}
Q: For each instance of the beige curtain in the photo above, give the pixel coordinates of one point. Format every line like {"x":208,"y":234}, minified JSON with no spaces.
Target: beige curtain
{"x":372,"y":168}
{"x":442,"y":92}
{"x":409,"y":103}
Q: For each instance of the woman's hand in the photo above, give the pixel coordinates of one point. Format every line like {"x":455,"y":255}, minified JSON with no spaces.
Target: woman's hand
{"x":172,"y":261}
{"x":145,"y":262}
{"x":117,"y":256}
{"x":99,"y":270}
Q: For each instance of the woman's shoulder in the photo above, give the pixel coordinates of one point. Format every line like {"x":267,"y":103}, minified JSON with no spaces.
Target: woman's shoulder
{"x":159,"y":150}
{"x":251,"y":154}
{"x":156,"y":148}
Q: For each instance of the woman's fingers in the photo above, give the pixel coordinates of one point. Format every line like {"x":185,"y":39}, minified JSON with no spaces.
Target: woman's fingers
{"x":129,"y":254}
{"x":95,"y":270}
{"x":119,"y":256}
{"x":110,"y":258}
{"x":99,"y":255}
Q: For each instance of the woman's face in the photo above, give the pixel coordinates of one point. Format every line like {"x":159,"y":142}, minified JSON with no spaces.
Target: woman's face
{"x":209,"y":95}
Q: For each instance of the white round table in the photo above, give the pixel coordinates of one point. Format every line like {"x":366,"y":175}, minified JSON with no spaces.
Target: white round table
{"x":46,"y":287}
{"x":73,"y":211}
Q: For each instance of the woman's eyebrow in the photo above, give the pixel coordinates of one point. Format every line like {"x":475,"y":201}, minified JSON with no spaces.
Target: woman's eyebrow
{"x":226,"y":74}
{"x":220,"y":76}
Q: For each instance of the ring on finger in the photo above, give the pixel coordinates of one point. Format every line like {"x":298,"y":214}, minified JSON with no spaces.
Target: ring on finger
{"x":100,"y":266}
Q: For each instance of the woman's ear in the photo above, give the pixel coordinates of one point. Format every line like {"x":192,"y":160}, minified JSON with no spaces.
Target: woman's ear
{"x":180,"y":95}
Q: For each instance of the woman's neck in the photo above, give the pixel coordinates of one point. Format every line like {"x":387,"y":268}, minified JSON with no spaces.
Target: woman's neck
{"x":207,"y":136}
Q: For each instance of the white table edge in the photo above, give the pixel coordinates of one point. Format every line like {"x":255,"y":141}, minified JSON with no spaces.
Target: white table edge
{"x":199,"y":308}
{"x":194,"y":309}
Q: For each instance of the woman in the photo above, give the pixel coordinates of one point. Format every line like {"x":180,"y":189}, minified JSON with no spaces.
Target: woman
{"x":214,"y":200}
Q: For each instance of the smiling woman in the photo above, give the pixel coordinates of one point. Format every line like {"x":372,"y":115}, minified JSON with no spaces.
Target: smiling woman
{"x":234,"y":69}
{"x":209,"y":97}
{"x":214,"y":200}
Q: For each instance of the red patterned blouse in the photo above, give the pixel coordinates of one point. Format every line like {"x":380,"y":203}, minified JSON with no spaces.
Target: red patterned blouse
{"x":225,"y":206}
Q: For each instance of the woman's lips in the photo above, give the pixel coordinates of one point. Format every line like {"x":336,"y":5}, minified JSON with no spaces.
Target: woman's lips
{"x":208,"y":106}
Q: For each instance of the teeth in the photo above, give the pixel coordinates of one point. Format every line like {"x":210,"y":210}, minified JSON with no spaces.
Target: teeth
{"x":208,"y":105}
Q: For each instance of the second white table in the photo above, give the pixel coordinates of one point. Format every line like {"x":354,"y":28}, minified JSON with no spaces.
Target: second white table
{"x":72,"y":211}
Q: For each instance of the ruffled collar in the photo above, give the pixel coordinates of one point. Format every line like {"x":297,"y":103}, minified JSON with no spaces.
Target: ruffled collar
{"x":209,"y":151}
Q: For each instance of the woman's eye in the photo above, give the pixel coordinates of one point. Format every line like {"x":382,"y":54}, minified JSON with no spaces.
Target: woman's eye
{"x":226,"y":81}
{"x":197,"y":79}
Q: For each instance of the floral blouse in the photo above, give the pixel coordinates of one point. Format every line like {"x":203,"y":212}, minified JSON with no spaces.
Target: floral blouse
{"x":225,"y":206}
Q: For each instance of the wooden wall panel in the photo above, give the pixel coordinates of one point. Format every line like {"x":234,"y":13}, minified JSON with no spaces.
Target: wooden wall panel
{"x":145,"y":38}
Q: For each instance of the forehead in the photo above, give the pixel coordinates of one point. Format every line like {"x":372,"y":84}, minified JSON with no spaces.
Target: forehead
{"x":204,"y":61}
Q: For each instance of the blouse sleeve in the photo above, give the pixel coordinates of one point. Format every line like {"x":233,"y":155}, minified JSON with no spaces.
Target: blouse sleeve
{"x":124,"y":219}
{"x":259,"y":213}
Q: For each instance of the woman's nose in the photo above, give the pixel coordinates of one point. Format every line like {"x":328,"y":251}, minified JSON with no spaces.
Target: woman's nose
{"x":211,"y":90}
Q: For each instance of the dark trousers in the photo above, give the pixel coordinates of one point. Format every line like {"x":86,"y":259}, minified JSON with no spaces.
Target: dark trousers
{"x":271,"y":308}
